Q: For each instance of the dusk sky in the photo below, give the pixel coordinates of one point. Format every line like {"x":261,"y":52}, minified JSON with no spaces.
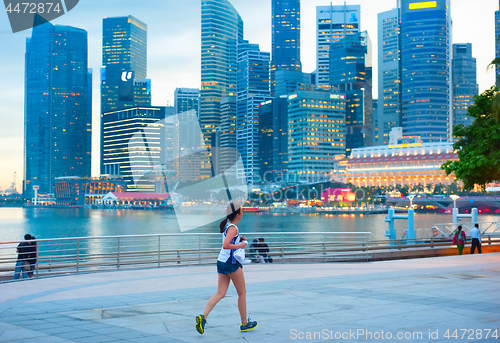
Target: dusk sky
{"x":174,"y":52}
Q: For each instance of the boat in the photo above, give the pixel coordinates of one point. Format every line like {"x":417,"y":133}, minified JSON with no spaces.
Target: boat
{"x":250,"y":209}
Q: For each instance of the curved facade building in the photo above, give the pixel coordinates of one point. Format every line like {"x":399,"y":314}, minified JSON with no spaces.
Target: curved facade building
{"x":221,"y":31}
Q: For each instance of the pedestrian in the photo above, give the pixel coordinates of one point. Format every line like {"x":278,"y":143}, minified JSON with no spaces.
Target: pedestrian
{"x":229,"y":268}
{"x":459,"y":239}
{"x":22,"y":258}
{"x":475,"y":236}
{"x":264,"y":252}
{"x":32,"y":255}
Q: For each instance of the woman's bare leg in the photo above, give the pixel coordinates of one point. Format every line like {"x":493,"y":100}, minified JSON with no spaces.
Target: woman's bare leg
{"x":239,"y":283}
{"x":221,"y":293}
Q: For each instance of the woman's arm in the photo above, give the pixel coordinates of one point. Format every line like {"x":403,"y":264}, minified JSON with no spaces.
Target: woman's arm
{"x":231,"y":232}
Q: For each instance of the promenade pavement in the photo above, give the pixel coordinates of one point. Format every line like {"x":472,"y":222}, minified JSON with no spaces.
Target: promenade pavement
{"x":415,"y":300}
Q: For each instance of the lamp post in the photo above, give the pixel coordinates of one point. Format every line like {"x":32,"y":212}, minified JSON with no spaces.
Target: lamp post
{"x":455,"y":197}
{"x":411,"y":196}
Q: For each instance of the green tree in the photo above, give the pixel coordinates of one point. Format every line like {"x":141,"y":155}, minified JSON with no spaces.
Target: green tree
{"x":439,"y":189}
{"x":478,"y":146}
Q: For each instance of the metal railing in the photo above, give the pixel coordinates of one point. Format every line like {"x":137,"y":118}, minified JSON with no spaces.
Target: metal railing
{"x":448,"y":229}
{"x":109,"y":253}
{"x":89,"y":254}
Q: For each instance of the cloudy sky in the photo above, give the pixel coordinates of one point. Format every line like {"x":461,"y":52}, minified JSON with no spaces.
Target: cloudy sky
{"x":174,"y":51}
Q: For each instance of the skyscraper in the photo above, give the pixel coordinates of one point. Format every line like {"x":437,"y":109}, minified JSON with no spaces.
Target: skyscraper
{"x":228,"y":152}
{"x":285,"y":37}
{"x":121,"y":145}
{"x":221,"y":31}
{"x":351,"y":74}
{"x":124,"y":67}
{"x":288,"y":82}
{"x":316,"y":132}
{"x":273,"y":122}
{"x":425,"y":68}
{"x":333,"y":23}
{"x":186,"y":99}
{"x":465,"y":85}
{"x":58,"y":120}
{"x":389,"y":113}
{"x":497,"y":42}
{"x":124,"y":59}
{"x":253,"y":89}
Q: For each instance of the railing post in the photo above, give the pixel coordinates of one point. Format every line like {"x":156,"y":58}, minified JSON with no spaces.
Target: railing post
{"x":159,"y":251}
{"x":178,"y":257}
{"x":199,"y":250}
{"x":282,"y":246}
{"x":78,"y":255}
{"x":38,"y":257}
{"x":432,"y":241}
{"x":118,"y":255}
{"x":489,"y":240}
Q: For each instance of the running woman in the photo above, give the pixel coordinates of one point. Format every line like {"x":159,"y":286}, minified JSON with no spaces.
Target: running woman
{"x":229,"y":269}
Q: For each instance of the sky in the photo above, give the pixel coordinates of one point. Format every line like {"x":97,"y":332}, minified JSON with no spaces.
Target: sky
{"x":174,"y":48}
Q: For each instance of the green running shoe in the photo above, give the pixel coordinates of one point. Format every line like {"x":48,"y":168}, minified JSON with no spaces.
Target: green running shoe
{"x":249,"y":326}
{"x":200,"y":323}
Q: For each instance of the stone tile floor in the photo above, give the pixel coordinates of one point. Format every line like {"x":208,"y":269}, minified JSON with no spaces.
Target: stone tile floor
{"x":353,"y":302}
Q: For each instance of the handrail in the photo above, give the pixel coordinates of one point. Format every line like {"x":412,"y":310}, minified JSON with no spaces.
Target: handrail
{"x":71,"y":255}
{"x":193,"y":234}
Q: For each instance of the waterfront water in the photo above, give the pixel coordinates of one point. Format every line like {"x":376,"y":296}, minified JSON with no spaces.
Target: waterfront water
{"x":57,"y":223}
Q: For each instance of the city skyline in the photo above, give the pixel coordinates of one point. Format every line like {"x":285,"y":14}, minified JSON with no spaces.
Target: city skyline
{"x":169,"y":68}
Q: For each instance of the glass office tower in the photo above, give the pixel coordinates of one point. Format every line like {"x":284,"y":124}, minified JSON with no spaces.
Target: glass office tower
{"x":186,"y":99}
{"x":285,"y":37}
{"x":465,"y":85}
{"x":497,"y":45}
{"x":253,"y":89}
{"x":351,"y":74}
{"x":389,"y":114}
{"x":316,"y":133}
{"x":333,"y":23}
{"x":58,"y":120}
{"x":124,"y":67}
{"x":221,"y":31}
{"x":426,"y":63}
{"x":124,"y":58}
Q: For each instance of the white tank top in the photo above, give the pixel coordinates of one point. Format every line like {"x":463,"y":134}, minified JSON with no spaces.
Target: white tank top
{"x":227,"y":255}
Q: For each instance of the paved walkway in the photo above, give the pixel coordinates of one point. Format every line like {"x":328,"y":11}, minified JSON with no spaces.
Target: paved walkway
{"x":351,"y":302}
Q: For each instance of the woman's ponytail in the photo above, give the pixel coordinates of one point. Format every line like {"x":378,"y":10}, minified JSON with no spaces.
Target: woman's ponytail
{"x":222,"y":225}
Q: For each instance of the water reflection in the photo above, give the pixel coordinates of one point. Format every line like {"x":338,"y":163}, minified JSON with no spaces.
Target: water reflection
{"x":59,"y":223}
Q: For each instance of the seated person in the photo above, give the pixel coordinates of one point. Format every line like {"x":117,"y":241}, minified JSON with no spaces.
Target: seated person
{"x":263,"y":250}
{"x":252,"y":253}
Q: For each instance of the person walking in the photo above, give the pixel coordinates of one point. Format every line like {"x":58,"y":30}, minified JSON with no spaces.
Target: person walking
{"x":475,"y":236}
{"x":229,"y":268}
{"x":22,"y":258}
{"x":459,"y":239}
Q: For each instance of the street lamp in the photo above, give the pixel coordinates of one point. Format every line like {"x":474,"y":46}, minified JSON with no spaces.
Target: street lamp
{"x":454,"y":197}
{"x":411,"y":196}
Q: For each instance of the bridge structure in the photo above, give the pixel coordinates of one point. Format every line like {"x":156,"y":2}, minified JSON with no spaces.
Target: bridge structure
{"x":485,"y":205}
